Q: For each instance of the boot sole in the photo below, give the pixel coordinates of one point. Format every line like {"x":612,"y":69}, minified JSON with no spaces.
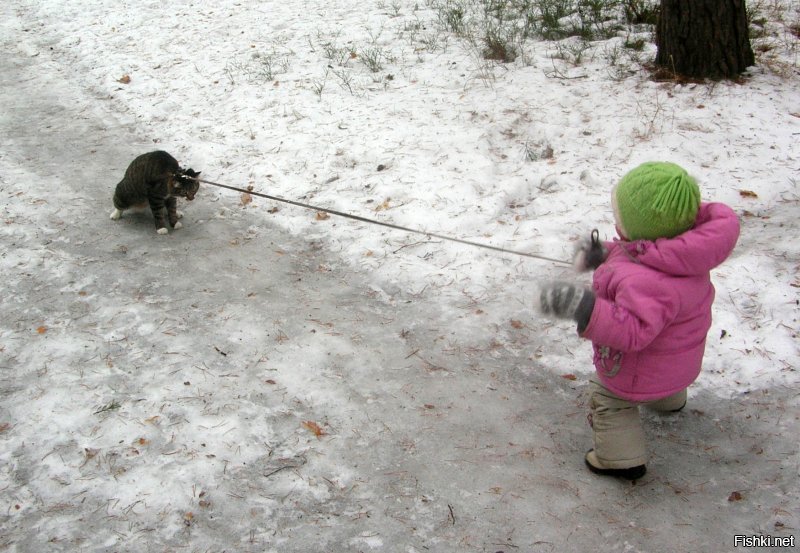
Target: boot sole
{"x":631,"y":473}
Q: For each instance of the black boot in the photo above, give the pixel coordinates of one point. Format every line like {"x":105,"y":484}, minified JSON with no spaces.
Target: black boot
{"x":631,"y":473}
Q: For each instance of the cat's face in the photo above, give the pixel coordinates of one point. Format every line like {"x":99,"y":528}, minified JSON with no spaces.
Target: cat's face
{"x":186,"y":187}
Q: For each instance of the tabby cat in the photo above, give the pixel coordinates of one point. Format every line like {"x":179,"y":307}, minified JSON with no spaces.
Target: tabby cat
{"x":156,"y":179}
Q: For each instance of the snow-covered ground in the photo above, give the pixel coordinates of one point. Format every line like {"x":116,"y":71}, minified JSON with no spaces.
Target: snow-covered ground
{"x":266,"y":379}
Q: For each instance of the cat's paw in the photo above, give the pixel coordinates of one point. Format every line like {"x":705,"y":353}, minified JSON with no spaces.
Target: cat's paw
{"x":179,"y":214}
{"x":178,"y":225}
{"x":162,"y":230}
{"x":116,"y":214}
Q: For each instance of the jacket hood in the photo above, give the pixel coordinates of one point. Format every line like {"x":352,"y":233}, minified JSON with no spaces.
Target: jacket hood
{"x":695,"y":252}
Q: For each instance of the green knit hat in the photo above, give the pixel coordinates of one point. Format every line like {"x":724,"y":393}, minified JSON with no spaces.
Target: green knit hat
{"x":656,"y":200}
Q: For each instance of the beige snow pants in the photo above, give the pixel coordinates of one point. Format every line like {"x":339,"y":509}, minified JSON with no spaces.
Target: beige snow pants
{"x":619,"y":441}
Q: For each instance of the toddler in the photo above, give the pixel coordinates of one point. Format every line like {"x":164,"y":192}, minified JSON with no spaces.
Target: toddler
{"x":649,"y":308}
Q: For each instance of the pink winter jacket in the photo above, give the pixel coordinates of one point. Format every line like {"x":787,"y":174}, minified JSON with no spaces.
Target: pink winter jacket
{"x":652,"y":307}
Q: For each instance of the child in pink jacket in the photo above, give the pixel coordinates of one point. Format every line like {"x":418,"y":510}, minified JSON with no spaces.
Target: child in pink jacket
{"x":649,"y":308}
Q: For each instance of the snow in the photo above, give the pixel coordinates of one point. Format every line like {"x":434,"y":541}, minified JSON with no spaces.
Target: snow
{"x":267,"y":380}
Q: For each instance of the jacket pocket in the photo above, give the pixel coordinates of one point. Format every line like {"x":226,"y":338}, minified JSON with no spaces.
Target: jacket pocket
{"x":607,"y":360}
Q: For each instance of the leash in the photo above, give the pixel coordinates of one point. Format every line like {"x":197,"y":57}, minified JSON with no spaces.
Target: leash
{"x":380,"y":223}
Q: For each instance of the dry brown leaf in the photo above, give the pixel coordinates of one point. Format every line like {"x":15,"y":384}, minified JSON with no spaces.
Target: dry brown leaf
{"x":246,"y":198}
{"x":569,"y":376}
{"x":747,"y":194}
{"x":41,"y":329}
{"x":125,"y":79}
{"x":517,"y":324}
{"x":735,"y":496}
{"x":322,"y":216}
{"x":314,"y":428}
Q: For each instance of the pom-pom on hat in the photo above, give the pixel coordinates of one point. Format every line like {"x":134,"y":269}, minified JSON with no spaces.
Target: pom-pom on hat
{"x":656,"y":200}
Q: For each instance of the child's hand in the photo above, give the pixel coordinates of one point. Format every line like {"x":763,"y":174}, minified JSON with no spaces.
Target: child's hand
{"x":589,"y":253}
{"x":567,"y":301}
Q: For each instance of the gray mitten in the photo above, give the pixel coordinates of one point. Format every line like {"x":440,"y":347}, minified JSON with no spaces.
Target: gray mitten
{"x":566,"y":300}
{"x":589,"y":253}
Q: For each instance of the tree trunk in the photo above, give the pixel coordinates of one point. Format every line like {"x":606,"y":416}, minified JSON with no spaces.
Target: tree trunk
{"x":704,"y":38}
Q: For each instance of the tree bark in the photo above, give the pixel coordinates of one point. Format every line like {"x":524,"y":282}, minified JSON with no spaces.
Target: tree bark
{"x":704,"y":38}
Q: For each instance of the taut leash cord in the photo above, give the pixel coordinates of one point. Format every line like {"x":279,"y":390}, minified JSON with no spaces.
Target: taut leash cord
{"x":380,"y":223}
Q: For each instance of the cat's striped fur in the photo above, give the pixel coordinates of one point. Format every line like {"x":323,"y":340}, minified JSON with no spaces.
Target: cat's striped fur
{"x":155,"y":178}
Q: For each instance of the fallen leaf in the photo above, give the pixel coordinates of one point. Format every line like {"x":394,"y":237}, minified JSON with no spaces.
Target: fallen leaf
{"x":314,"y":428}
{"x":517,"y":324}
{"x":142,"y":441}
{"x":41,"y":329}
{"x":322,"y":216}
{"x":125,"y":79}
{"x":270,"y":381}
{"x":569,"y":376}
{"x":735,"y":496}
{"x":4,"y":426}
{"x":246,"y":199}
{"x":747,"y":194}
{"x":272,"y":210}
